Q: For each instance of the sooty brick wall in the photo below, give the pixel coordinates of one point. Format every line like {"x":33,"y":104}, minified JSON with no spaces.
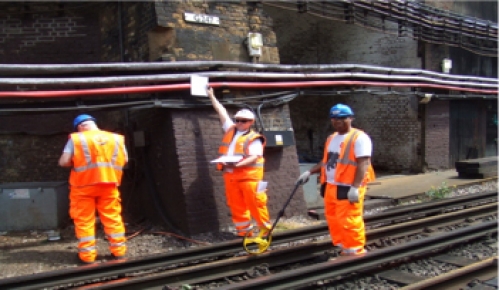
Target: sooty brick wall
{"x":30,"y":145}
{"x":391,"y":120}
{"x":195,"y":41}
{"x":437,"y":135}
{"x":48,"y":33}
{"x":198,"y":135}
{"x":175,"y":178}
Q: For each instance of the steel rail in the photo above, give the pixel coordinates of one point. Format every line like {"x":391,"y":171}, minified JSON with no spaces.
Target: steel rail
{"x":279,"y":257}
{"x":307,"y":275}
{"x":238,"y":266}
{"x":198,"y":255}
{"x":465,"y":274}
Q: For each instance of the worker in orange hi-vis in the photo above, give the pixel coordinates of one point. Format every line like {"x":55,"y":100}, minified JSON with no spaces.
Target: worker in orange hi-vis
{"x":242,"y":178}
{"x":345,"y":171}
{"x":97,"y":159}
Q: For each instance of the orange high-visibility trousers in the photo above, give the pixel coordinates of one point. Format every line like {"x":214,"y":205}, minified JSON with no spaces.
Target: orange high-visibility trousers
{"x":245,"y":203}
{"x":345,"y":220}
{"x":83,"y":203}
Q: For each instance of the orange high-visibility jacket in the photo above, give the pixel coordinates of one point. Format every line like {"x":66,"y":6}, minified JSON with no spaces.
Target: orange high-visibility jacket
{"x":254,"y":171}
{"x":346,"y":165}
{"x":99,"y":157}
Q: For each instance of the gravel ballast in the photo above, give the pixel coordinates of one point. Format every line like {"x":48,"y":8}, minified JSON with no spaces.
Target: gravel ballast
{"x":25,"y":253}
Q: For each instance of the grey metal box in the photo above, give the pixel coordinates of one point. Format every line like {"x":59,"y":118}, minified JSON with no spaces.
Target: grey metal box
{"x":33,"y":205}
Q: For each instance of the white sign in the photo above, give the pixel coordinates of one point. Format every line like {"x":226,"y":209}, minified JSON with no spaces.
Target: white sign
{"x":19,"y":194}
{"x":202,"y":18}
{"x":199,"y":85}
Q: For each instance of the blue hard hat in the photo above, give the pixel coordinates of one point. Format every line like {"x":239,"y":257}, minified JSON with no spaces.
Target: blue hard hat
{"x":339,"y":111}
{"x":82,"y":118}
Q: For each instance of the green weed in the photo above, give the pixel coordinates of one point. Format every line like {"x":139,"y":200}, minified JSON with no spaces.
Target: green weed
{"x":439,"y":192}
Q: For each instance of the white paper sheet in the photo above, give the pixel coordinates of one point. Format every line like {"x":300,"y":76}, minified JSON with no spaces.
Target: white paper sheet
{"x":227,"y":159}
{"x":262,"y":186}
{"x":199,"y":85}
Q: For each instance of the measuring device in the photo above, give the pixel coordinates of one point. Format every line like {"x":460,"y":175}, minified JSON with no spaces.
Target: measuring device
{"x":257,"y":241}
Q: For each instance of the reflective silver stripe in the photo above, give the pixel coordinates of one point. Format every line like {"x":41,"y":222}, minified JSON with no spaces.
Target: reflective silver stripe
{"x":348,"y":147}
{"x":98,"y":164}
{"x":116,"y":235}
{"x":86,"y":150}
{"x":88,"y":158}
{"x":246,"y":143}
{"x":116,"y":149}
{"x":243,"y":224}
{"x":86,"y":249}
{"x":117,"y":244}
{"x":86,"y":239}
{"x":255,"y":165}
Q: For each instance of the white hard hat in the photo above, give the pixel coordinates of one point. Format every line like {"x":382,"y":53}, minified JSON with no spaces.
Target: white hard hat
{"x":245,"y":114}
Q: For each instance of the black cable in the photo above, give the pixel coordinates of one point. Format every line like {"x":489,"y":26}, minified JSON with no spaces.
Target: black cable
{"x":151,"y":185}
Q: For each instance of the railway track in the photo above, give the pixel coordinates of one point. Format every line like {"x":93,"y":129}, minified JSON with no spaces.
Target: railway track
{"x":149,"y":271}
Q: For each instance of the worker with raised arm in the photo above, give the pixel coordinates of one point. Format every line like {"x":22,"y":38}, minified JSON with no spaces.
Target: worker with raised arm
{"x":97,"y":159}
{"x":345,"y":170}
{"x":242,"y":178}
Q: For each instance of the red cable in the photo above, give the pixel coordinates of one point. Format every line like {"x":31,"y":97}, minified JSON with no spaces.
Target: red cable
{"x":246,"y":85}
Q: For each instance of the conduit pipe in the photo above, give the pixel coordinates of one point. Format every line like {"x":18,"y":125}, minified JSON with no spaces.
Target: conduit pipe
{"x":239,"y":85}
{"x":238,"y":75}
{"x":26,"y":69}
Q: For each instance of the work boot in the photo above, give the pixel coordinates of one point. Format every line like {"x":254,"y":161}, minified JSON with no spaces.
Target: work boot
{"x":82,"y":262}
{"x":118,"y":257}
{"x":349,"y":253}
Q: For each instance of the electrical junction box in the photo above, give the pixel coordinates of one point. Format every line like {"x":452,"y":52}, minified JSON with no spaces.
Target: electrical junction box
{"x":34,"y":205}
{"x":279,"y":138}
{"x":255,"y":44}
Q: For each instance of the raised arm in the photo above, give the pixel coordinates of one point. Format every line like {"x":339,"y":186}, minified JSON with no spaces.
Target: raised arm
{"x":222,"y":112}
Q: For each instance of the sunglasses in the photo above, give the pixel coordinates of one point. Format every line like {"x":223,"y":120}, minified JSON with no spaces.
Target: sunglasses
{"x":241,"y":121}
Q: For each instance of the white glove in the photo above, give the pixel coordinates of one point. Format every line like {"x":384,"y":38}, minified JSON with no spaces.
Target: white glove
{"x":303,"y":178}
{"x":353,"y":194}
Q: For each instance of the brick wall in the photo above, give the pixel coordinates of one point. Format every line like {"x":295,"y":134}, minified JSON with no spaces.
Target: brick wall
{"x":123,"y":30}
{"x":48,"y":33}
{"x":198,"y":136}
{"x":30,"y":145}
{"x":193,"y":41}
{"x":191,"y":193}
{"x":437,"y":135}
{"x":391,"y":120}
